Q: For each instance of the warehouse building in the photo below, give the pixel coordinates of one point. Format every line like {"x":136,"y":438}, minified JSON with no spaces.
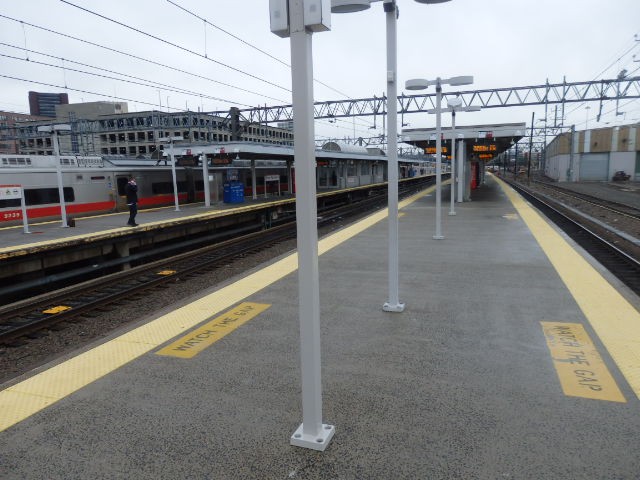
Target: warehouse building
{"x":594,"y":155}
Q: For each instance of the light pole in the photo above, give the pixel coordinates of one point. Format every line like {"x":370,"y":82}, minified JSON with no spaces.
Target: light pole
{"x":454,"y":105}
{"x":54,"y":129}
{"x":420,"y":84}
{"x":297,"y":19}
{"x":170,"y":141}
{"x":391,"y":10}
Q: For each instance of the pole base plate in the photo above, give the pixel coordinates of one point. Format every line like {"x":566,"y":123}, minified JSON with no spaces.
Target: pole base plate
{"x":315,"y":442}
{"x":397,"y":308}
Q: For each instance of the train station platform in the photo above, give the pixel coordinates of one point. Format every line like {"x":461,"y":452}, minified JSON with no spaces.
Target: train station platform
{"x":43,"y":234}
{"x":516,"y":357}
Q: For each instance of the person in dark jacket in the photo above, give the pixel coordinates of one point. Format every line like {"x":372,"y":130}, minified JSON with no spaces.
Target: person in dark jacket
{"x":131,"y":190}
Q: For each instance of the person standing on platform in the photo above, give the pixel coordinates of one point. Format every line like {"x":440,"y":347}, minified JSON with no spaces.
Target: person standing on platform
{"x":131,"y":191}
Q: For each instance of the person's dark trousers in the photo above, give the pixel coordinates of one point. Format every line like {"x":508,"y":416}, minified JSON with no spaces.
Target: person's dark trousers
{"x":133,"y":211}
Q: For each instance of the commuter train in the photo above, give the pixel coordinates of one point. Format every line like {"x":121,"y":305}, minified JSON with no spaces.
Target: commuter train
{"x":93,"y":185}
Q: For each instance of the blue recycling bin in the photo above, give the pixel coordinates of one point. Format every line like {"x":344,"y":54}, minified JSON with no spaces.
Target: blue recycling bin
{"x":233,"y":192}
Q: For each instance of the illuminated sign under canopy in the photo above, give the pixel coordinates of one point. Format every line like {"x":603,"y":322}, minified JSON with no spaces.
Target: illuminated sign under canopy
{"x":484,"y":148}
{"x":432,"y":150}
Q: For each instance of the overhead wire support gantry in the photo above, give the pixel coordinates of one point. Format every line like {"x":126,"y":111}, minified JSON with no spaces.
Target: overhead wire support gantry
{"x":591,"y":91}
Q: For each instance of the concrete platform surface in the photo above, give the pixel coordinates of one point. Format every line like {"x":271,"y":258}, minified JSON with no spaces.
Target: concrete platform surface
{"x":14,"y":237}
{"x":464,"y":384}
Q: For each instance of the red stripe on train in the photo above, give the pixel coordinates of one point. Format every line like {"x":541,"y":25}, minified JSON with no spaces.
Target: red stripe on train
{"x":76,"y":208}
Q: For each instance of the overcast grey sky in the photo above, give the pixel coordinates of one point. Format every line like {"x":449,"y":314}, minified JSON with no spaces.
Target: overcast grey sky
{"x":502,"y":43}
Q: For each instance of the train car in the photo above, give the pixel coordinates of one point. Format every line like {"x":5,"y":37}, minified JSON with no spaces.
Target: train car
{"x":94,"y":184}
{"x":91,"y":185}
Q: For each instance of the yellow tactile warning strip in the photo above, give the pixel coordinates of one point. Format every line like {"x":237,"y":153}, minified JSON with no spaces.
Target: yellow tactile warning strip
{"x":6,"y":252}
{"x":28,"y":397}
{"x":190,"y":345}
{"x":613,"y":318}
{"x":580,"y":368}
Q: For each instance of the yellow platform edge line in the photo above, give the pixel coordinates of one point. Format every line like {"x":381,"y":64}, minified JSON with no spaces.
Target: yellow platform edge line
{"x":613,"y":318}
{"x":28,"y":397}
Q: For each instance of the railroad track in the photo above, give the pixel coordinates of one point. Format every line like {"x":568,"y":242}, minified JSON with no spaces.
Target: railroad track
{"x":621,"y":264}
{"x":28,"y":318}
{"x":618,"y":208}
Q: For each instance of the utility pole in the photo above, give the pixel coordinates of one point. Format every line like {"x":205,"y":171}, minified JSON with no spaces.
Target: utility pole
{"x":533,"y":115}
{"x":571,"y":154}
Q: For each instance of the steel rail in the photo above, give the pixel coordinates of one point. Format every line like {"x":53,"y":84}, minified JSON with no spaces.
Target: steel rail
{"x":622,"y":265}
{"x":29,"y":317}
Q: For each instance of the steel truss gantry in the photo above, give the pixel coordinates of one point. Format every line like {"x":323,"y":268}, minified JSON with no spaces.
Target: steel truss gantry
{"x":557,"y":93}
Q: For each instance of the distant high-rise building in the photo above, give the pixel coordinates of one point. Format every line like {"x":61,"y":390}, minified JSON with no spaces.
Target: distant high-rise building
{"x":44,"y":104}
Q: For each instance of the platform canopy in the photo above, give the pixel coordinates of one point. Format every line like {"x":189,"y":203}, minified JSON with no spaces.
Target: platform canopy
{"x":483,"y":142}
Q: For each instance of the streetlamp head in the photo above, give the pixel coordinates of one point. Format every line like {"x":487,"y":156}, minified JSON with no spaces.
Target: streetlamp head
{"x":432,"y":1}
{"x":417,"y":84}
{"x":454,"y":102}
{"x":461,"y":80}
{"x":348,"y":6}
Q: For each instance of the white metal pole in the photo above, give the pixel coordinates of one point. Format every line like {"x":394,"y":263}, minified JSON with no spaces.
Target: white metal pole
{"x":312,"y":433}
{"x":205,"y":177}
{"x":289,"y":177}
{"x":253,"y":179}
{"x":393,"y":304}
{"x":452,"y":210}
{"x":173,"y":173}
{"x":23,"y":207}
{"x":461,"y":173}
{"x":438,"y":235}
{"x":56,"y":151}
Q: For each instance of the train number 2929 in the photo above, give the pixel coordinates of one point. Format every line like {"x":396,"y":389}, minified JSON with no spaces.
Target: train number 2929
{"x":11,"y":215}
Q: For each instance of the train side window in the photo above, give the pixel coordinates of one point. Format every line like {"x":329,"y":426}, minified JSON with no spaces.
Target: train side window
{"x":41,"y":196}
{"x":122,"y":182}
{"x":12,"y":202}
{"x":160,"y":188}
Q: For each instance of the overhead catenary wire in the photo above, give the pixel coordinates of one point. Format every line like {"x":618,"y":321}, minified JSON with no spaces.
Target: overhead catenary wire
{"x":77,"y":90}
{"x":366,"y":125}
{"x":149,"y":83}
{"x":180,"y":47}
{"x":85,"y":91}
{"x":634,"y":45}
{"x":250,"y":45}
{"x":137,"y":57}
